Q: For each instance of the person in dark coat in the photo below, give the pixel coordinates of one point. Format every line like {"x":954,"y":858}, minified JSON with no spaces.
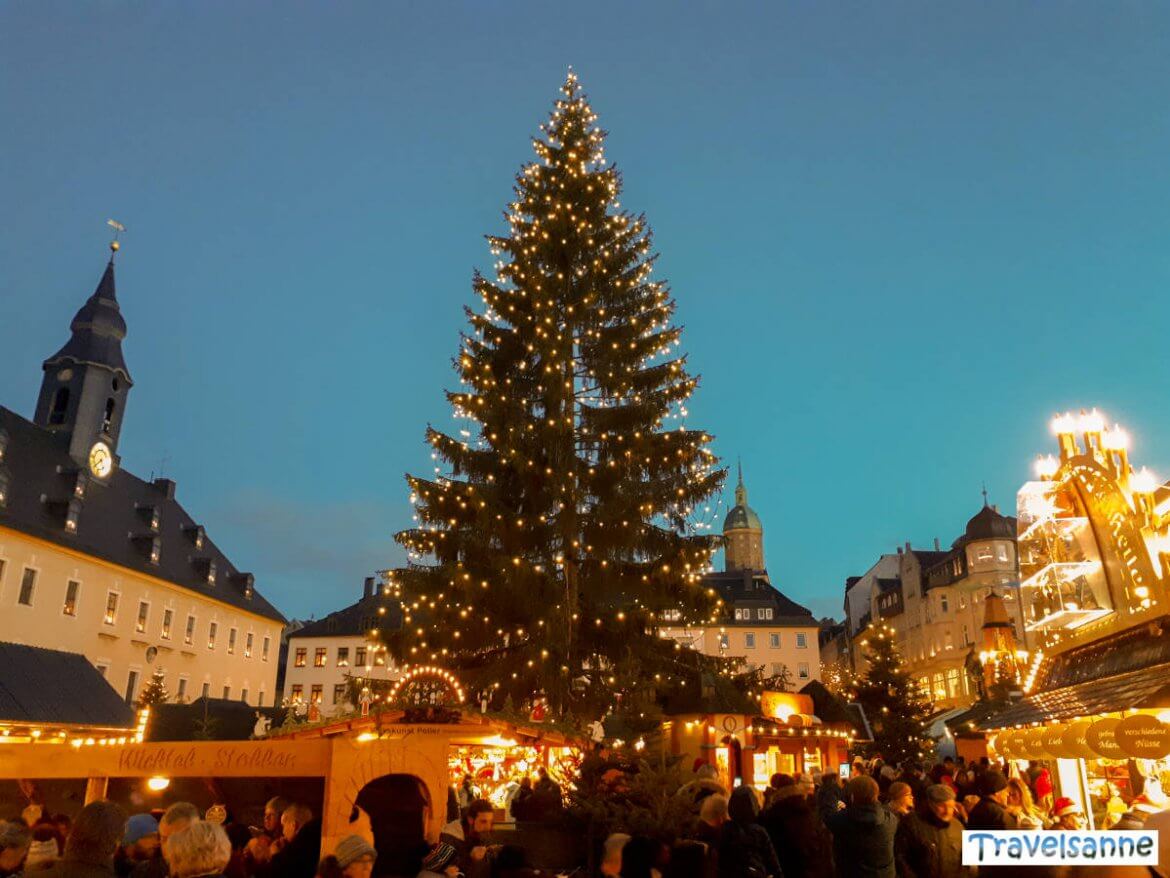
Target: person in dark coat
{"x":745,"y":850}
{"x":863,"y":834}
{"x":94,"y":839}
{"x":929,"y":842}
{"x":830,"y":797}
{"x":991,"y":811}
{"x":804,"y":845}
{"x":302,"y":850}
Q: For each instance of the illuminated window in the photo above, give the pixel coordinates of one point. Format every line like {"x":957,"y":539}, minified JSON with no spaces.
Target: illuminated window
{"x":299,"y":657}
{"x":264,"y":650}
{"x":749,"y":641}
{"x":942,"y":602}
{"x":379,"y":657}
{"x":212,"y":631}
{"x":111,"y":608}
{"x":339,"y":693}
{"x":168,"y":621}
{"x":319,"y":657}
{"x":26,"y":586}
{"x":248,"y":645}
{"x":343,"y":656}
{"x":801,"y":640}
{"x":297,"y":693}
{"x":143,"y":613}
{"x":316,"y":693}
{"x":764,"y":613}
{"x":71,"y":590}
{"x":671,"y":615}
{"x":802,"y":670}
{"x":189,"y":634}
{"x":231,"y":641}
{"x":359,"y":656}
{"x":724,"y":641}
{"x":774,"y":641}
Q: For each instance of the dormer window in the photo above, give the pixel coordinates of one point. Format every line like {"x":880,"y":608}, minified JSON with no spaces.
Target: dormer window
{"x":73,"y":515}
{"x":3,"y":443}
{"x":4,"y":485}
{"x":80,"y":484}
{"x":195,"y":534}
{"x":151,"y":516}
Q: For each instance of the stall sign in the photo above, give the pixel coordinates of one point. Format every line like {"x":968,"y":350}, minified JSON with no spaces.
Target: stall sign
{"x":1034,"y":744}
{"x":1101,"y":738}
{"x":1142,"y":737}
{"x":1054,"y":741}
{"x":1074,"y":740}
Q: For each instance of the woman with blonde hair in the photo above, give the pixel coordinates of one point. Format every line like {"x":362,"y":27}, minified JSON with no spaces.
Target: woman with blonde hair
{"x":202,"y":849}
{"x":1021,"y":806}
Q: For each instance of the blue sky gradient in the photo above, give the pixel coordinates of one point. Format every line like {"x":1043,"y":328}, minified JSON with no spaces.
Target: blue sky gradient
{"x":900,"y":236}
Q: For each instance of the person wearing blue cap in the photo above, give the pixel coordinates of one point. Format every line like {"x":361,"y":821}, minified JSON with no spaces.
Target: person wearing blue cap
{"x":139,"y":844}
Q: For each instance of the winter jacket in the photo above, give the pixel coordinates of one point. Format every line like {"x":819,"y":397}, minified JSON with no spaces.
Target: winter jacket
{"x":71,"y":868}
{"x":863,"y":841}
{"x":804,"y":845}
{"x":298,"y":858}
{"x":925,"y":847}
{"x":990,"y":814}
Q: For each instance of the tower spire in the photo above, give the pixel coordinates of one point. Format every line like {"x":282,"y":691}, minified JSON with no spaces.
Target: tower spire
{"x":985,"y":503}
{"x":740,"y":489}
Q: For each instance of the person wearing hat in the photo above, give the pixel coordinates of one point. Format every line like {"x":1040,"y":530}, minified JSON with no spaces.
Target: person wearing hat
{"x":140,"y":844}
{"x":803,"y":845}
{"x":1067,"y":814}
{"x":353,"y":858}
{"x":929,"y":842}
{"x":991,"y":811}
{"x":439,"y":862}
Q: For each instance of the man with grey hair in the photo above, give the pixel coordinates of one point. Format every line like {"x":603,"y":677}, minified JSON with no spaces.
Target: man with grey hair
{"x":202,"y":848}
{"x":94,"y":839}
{"x":175,"y":819}
{"x":14,"y":841}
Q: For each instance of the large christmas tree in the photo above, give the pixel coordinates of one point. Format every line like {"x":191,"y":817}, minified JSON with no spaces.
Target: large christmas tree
{"x":566,"y":521}
{"x":893,"y":703}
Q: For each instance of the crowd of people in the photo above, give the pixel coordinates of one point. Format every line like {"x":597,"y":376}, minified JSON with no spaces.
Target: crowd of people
{"x":879,"y":822}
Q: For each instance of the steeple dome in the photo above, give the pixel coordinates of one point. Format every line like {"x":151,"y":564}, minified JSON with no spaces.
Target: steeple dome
{"x":743,"y":532}
{"x":98,"y":330}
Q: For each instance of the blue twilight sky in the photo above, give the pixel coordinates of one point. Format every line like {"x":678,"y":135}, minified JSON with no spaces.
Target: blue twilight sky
{"x":900,"y":236}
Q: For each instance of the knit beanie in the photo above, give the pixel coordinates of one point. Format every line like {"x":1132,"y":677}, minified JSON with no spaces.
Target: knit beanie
{"x":353,"y":848}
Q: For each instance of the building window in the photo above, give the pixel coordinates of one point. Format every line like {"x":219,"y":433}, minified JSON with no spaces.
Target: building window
{"x":359,"y":656}
{"x":248,"y":645}
{"x":168,"y":621}
{"x":342,"y":657}
{"x":297,"y":693}
{"x":102,"y":669}
{"x":379,"y":657}
{"x":801,"y":640}
{"x":316,"y":693}
{"x":181,"y":694}
{"x":244,"y":695}
{"x":724,"y":641}
{"x":774,"y":641}
{"x":212,"y":631}
{"x":749,"y":641}
{"x":942,"y":602}
{"x":764,"y":613}
{"x":111,"y":608}
{"x":189,"y":634}
{"x":299,"y":657}
{"x":232,"y":632}
{"x":60,"y":406}
{"x":131,"y":685}
{"x":26,"y":586}
{"x":339,"y":693}
{"x":319,"y":657}
{"x":206,"y":690}
{"x":802,"y":670}
{"x":778,"y":669}
{"x":143,"y":612}
{"x":109,"y":418}
{"x":264,"y":649}
{"x":71,"y":590}
{"x":227,"y":692}
{"x":966,"y":637}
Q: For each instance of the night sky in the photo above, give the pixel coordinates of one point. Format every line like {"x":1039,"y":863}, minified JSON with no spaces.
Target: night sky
{"x":900,"y":235}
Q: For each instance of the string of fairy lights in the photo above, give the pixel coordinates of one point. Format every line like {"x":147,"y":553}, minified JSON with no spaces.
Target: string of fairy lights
{"x":572,"y":478}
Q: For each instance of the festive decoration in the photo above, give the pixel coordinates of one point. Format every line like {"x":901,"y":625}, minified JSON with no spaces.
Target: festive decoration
{"x":567,"y":520}
{"x":155,"y":690}
{"x":892,"y":701}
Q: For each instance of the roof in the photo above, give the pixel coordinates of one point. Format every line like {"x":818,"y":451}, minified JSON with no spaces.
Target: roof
{"x":98,"y":329}
{"x":50,"y":686}
{"x":352,"y":621}
{"x":227,"y":720}
{"x":741,"y":515}
{"x":988,"y":524}
{"x":116,"y":519}
{"x":748,"y":588}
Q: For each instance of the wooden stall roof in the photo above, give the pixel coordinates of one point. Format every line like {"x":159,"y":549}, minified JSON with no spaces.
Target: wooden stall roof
{"x":472,"y":728}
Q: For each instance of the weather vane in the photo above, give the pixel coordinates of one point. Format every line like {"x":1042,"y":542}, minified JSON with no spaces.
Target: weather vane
{"x":118,"y":229}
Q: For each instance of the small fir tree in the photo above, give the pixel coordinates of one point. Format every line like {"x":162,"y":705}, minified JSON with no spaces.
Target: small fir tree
{"x":155,"y":690}
{"x":566,"y":518}
{"x":893,"y":703}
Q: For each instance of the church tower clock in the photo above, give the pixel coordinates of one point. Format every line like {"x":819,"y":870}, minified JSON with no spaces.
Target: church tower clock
{"x":85,"y":385}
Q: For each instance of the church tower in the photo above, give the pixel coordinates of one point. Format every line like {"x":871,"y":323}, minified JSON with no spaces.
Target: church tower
{"x":1000,"y":654}
{"x":84,"y":389}
{"x":743,"y":533}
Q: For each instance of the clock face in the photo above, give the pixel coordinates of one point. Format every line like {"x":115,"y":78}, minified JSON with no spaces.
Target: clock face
{"x":101,"y":460}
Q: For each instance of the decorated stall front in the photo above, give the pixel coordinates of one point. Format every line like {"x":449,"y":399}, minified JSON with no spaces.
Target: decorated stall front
{"x":786,"y":736}
{"x":1094,"y":554}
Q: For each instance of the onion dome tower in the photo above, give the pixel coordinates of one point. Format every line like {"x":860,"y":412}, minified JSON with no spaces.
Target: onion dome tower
{"x":744,"y":534}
